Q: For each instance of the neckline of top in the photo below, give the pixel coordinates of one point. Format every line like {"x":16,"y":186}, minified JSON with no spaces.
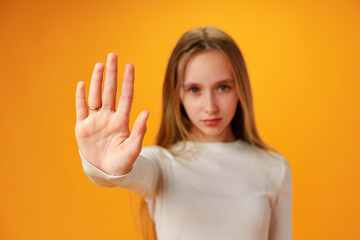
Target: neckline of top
{"x":212,"y":145}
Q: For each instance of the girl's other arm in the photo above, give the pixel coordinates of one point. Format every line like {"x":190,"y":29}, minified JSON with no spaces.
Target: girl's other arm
{"x":281,"y":215}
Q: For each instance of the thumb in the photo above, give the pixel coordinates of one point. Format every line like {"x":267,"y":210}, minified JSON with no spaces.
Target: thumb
{"x":138,"y":132}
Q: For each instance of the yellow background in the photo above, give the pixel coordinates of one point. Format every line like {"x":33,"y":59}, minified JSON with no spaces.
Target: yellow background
{"x":303,"y":59}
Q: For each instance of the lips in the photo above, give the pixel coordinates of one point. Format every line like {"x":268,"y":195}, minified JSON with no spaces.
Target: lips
{"x":211,"y":122}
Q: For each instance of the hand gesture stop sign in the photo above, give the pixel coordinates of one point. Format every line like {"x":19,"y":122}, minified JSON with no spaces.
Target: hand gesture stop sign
{"x":103,"y":133}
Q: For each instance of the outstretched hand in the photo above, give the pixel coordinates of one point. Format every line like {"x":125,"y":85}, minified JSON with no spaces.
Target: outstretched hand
{"x":103,"y":134}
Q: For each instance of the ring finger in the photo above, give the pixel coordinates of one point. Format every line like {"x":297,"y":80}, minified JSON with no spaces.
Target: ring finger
{"x":95,"y":87}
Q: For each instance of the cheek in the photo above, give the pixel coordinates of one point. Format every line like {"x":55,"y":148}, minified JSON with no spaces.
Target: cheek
{"x":230,"y":104}
{"x":191,"y":107}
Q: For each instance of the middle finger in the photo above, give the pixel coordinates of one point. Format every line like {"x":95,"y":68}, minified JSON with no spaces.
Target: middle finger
{"x":110,"y":82}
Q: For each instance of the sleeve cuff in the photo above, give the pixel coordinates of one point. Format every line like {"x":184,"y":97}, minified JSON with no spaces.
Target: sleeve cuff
{"x":99,"y":172}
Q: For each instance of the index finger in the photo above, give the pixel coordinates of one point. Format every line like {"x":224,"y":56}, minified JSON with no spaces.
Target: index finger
{"x":127,"y":92}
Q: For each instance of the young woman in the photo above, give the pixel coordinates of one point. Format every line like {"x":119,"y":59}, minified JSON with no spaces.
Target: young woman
{"x":210,"y":176}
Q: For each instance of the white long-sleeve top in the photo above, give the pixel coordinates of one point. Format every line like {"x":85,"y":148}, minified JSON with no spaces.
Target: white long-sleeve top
{"x":223,"y":191}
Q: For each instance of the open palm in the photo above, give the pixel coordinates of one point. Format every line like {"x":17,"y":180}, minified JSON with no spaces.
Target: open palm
{"x":103,"y":134}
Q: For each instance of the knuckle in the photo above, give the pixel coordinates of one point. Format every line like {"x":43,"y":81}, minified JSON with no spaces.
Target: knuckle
{"x":111,"y":68}
{"x":126,"y":96}
{"x":109,"y":88}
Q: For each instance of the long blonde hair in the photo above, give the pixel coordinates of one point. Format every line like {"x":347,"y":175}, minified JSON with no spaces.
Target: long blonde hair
{"x":175,"y":124}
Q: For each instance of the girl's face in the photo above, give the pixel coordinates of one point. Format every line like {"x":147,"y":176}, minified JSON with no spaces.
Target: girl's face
{"x":209,"y":96}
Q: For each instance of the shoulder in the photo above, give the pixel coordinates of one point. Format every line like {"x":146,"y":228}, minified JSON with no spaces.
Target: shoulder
{"x":275,"y":165}
{"x":272,"y":159}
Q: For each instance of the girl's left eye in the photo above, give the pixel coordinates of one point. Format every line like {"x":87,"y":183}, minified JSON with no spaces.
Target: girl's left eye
{"x":223,"y":87}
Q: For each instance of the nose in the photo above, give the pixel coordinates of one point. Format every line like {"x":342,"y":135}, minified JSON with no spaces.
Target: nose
{"x":210,"y":104}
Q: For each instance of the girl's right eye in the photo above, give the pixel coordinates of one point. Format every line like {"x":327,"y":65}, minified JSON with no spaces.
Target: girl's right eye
{"x":193,"y":89}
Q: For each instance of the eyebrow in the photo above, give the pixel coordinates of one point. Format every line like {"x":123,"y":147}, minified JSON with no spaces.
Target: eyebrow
{"x":227,"y":80}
